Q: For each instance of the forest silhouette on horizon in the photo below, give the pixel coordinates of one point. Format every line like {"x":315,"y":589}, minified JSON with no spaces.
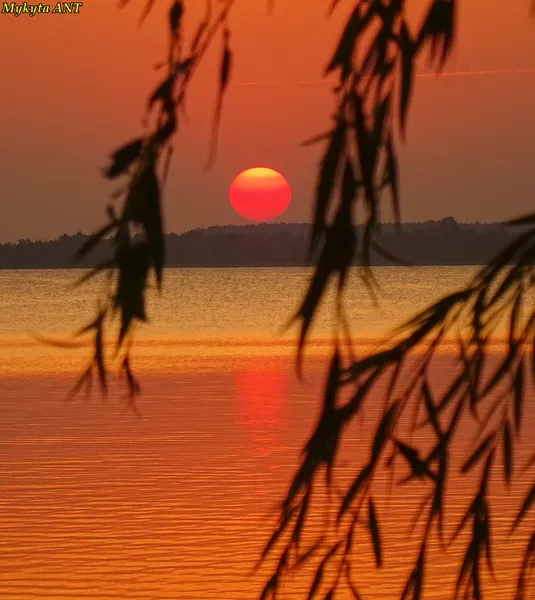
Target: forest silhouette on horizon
{"x":444,"y":242}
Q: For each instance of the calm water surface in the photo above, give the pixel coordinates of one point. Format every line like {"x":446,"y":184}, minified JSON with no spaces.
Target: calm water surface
{"x":96,"y":502}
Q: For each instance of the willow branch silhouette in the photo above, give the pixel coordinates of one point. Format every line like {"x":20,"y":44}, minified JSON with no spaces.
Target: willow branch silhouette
{"x":375,"y":63}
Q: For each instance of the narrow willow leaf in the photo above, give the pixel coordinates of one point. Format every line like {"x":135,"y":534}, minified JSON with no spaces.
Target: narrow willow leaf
{"x":143,"y":206}
{"x":383,"y":431}
{"x":58,"y":343}
{"x":319,"y":572}
{"x":321,"y":137}
{"x":84,"y":378}
{"x":332,"y":7}
{"x":332,"y":383}
{"x":504,"y":258}
{"x":528,"y":502}
{"x":360,"y":480}
{"x":501,"y":372}
{"x":373,"y":525}
{"x":407,"y":74}
{"x":515,"y":316}
{"x":94,"y":239}
{"x":448,"y":24}
{"x":438,"y":30}
{"x":384,"y":253}
{"x":351,"y":585}
{"x":393,"y":177}
{"x":479,"y":452}
{"x":343,"y":55}
{"x":133,"y":263}
{"x":431,"y":409}
{"x":436,"y":313}
{"x":518,"y":386}
{"x":507,"y":451}
{"x":486,"y":472}
{"x":175,"y":15}
{"x":123,"y":157}
{"x":451,"y":392}
{"x":303,"y":558}
{"x":527,"y":562}
{"x":102,"y":267}
{"x":148,"y":7}
{"x":133,"y":385}
{"x":225,"y":68}
{"x":278,"y":531}
{"x":163,"y":92}
{"x":520,"y":221}
{"x":300,"y":521}
{"x":99,"y":355}
{"x":270,"y":587}
{"x":325,"y":182}
{"x":317,"y":581}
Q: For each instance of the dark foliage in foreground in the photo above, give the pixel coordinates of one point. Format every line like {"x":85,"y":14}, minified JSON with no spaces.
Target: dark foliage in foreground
{"x":374,"y":62}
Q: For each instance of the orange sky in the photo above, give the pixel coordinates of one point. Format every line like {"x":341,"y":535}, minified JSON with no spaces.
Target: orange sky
{"x":74,"y":88}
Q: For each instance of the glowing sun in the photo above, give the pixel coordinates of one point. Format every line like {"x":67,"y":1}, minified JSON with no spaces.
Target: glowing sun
{"x":260,"y":194}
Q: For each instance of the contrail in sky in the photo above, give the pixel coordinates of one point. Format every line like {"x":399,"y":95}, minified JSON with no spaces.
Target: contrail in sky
{"x":418,"y":75}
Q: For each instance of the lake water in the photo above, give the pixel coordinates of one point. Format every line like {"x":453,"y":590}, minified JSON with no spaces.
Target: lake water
{"x":96,"y":502}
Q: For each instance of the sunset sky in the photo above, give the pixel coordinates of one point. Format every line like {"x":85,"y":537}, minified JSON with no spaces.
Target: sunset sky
{"x":74,"y":88}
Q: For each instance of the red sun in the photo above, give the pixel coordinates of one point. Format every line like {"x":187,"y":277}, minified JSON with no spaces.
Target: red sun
{"x":260,"y":194}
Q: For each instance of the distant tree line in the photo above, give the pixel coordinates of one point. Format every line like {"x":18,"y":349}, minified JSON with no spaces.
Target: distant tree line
{"x":444,"y":242}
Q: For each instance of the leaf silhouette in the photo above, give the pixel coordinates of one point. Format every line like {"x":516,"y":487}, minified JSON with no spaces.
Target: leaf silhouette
{"x":123,"y":157}
{"x":392,"y":177}
{"x":373,"y":525}
{"x":278,"y":531}
{"x":521,"y":221}
{"x":175,"y":15}
{"x":518,"y":386}
{"x":319,"y":572}
{"x":507,"y":451}
{"x":224,"y":76}
{"x":431,"y":409}
{"x":130,"y":295}
{"x":351,"y":585}
{"x":99,"y":353}
{"x":85,"y":377}
{"x":142,"y":206}
{"x":133,"y":384}
{"x":438,"y":29}
{"x":383,"y":431}
{"x":106,"y":266}
{"x":414,"y":584}
{"x":418,"y":466}
{"x":343,"y":54}
{"x":163,"y":92}
{"x":354,"y":489}
{"x":407,"y":74}
{"x":325,"y":182}
{"x":300,"y":521}
{"x":148,"y":6}
{"x":527,"y":504}
{"x":479,"y":452}
{"x":527,"y":564}
{"x":337,"y":253}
